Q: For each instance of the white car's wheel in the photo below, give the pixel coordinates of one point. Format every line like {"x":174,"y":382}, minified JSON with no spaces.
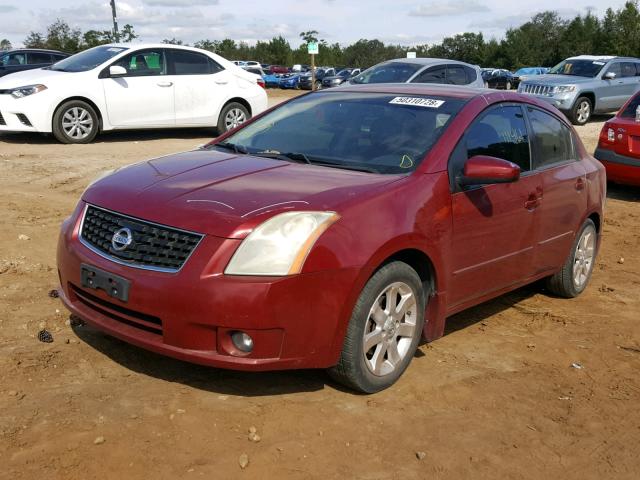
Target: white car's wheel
{"x":75,"y":122}
{"x":232,"y":115}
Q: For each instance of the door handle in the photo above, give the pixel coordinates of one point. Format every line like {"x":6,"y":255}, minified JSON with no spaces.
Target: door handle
{"x":580,"y":184}
{"x":532,"y":202}
{"x":222,"y":82}
{"x":165,"y":84}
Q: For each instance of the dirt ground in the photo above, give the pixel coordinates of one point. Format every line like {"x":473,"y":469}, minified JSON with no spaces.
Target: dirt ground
{"x":496,"y":397}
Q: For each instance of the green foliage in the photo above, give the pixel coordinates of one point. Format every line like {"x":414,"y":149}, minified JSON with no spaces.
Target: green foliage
{"x":5,"y":44}
{"x":544,"y":40}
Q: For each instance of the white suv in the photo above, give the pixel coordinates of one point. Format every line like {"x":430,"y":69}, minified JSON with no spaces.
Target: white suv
{"x":120,"y":86}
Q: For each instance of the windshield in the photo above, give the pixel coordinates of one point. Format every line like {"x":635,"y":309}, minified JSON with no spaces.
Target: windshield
{"x":527,"y":71}
{"x":344,"y":73}
{"x":381,"y":133}
{"x":392,"y":72}
{"x":87,"y":60}
{"x":578,"y":67}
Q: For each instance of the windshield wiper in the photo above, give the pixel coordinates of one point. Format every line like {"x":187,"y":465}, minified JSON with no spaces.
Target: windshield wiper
{"x":357,"y":168}
{"x":295,"y":156}
{"x":232,"y":146}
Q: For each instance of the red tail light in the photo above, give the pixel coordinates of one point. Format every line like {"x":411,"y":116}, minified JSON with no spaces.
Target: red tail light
{"x":260,"y":82}
{"x":607,"y":136}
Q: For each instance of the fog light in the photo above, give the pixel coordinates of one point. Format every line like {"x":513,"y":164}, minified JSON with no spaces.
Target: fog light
{"x":242,"y":341}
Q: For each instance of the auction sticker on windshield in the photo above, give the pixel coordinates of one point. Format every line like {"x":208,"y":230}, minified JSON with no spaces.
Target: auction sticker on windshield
{"x":418,"y":102}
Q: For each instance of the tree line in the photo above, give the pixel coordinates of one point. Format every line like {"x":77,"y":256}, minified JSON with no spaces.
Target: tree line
{"x":544,"y":40}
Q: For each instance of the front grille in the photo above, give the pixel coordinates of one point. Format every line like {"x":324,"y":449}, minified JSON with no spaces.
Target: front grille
{"x":2,"y":122}
{"x":145,"y":322}
{"x":153,"y":246}
{"x":533,"y":89}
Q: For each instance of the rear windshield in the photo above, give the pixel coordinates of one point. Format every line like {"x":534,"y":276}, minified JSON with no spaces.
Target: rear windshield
{"x":392,"y":72}
{"x":379,"y":133}
{"x":630,"y":110}
{"x":87,"y":60}
{"x":578,"y":68}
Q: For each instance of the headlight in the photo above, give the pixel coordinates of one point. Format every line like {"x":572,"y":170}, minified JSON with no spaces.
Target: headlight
{"x":564,"y":89}
{"x":27,"y":90}
{"x":280,"y":245}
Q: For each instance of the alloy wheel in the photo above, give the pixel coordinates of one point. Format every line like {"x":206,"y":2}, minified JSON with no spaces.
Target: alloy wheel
{"x":234,"y":117}
{"x":583,"y":257}
{"x":390,"y":329}
{"x":584,"y":111}
{"x":77,"y":123}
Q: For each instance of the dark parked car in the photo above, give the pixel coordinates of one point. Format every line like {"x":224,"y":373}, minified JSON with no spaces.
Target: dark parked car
{"x":28,"y":59}
{"x":337,"y":230}
{"x":499,"y":79}
{"x":305,"y":80}
{"x":341,"y":77}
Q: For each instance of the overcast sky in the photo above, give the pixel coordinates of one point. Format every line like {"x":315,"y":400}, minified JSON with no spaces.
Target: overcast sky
{"x":345,"y":21}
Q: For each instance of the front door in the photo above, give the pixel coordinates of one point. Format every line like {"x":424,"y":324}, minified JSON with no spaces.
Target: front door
{"x":144,"y":97}
{"x":494,"y":225}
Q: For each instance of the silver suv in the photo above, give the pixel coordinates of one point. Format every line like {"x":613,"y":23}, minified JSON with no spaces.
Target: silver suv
{"x":580,"y":86}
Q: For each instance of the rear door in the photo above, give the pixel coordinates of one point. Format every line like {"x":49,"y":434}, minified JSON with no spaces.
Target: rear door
{"x":494,"y":226}
{"x":564,"y":192}
{"x":201,"y":85}
{"x":613,"y":93}
{"x":144,"y":96}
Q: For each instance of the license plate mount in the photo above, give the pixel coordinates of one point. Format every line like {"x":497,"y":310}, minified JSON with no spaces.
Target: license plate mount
{"x":97,"y":279}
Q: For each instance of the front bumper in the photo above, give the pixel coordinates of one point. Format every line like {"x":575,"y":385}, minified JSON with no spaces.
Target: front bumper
{"x":563,"y":102}
{"x":620,"y":168}
{"x":191,"y":314}
{"x":34,"y":108}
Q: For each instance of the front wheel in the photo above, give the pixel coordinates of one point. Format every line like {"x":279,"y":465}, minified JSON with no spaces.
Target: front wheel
{"x":231,"y":116}
{"x":581,"y":111}
{"x":75,"y":122}
{"x":577,"y":269}
{"x":384,"y":330}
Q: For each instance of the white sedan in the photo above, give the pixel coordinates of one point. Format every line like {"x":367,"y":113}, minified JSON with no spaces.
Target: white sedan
{"x":122,"y":86}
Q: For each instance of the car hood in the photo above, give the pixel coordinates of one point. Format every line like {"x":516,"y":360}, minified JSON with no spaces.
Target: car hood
{"x":555,"y":79}
{"x":30,"y":77}
{"x":225,"y":194}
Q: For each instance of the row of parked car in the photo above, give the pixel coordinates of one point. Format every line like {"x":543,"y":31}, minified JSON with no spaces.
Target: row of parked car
{"x":500,"y":78}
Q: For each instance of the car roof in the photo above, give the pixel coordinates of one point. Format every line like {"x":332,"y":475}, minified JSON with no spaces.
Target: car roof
{"x":604,"y":58}
{"x":455,"y":91}
{"x":427,"y":61}
{"x":43,"y":50}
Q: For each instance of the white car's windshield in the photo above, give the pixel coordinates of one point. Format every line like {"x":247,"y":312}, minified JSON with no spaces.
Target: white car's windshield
{"x":87,"y":60}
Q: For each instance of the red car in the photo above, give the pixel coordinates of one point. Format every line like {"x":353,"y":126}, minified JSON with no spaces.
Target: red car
{"x":336,"y":230}
{"x":619,"y":145}
{"x":278,"y":69}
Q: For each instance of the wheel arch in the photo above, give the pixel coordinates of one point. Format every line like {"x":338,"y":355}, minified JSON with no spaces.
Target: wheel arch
{"x":591,"y":96}
{"x":82,"y":99}
{"x":239,"y":100}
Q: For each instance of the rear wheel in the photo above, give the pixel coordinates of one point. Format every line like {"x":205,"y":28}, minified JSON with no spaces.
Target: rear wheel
{"x":576,"y":271}
{"x":384,"y":330}
{"x":75,"y":122}
{"x":581,"y":111}
{"x":231,"y":116}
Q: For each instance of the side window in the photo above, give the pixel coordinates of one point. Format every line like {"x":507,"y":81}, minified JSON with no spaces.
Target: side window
{"x":189,"y":63}
{"x":500,"y":133}
{"x":552,"y":140}
{"x":628,"y":69}
{"x":14,"y":59}
{"x":456,"y":75}
{"x":472,"y":76}
{"x":215,"y":67}
{"x":144,"y":63}
{"x":38,"y":58}
{"x":615,"y":68}
{"x":432,"y":75}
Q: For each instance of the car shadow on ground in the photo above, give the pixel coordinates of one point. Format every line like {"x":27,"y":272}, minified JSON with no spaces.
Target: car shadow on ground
{"x":118,"y":136}
{"x":626,"y":193}
{"x":215,"y":380}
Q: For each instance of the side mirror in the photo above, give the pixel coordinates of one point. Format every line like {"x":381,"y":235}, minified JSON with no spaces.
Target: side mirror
{"x":609,"y":76}
{"x":117,"y":71}
{"x":483,"y":170}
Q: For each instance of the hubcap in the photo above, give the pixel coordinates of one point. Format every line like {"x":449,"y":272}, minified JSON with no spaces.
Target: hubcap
{"x":583,"y":112}
{"x":234,"y":117}
{"x":583,"y":258}
{"x":77,"y":123}
{"x":390,"y":329}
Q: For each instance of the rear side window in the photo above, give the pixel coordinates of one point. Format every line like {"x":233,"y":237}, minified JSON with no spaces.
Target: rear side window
{"x":472,"y":76}
{"x":629,"y":69}
{"x":38,"y":57}
{"x":13,"y":59}
{"x":432,"y":75}
{"x":144,"y":63}
{"x":501,"y":133}
{"x":456,"y":75}
{"x":190,"y":63}
{"x":552,"y":140}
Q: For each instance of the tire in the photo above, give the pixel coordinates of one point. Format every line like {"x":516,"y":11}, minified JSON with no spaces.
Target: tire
{"x":357,"y":368}
{"x":75,"y":121}
{"x":318,"y":85}
{"x":581,"y":111}
{"x":232,"y":115}
{"x":576,"y":272}
{"x":508,"y":86}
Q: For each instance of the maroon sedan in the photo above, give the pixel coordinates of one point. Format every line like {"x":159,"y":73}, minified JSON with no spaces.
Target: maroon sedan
{"x":336,"y":230}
